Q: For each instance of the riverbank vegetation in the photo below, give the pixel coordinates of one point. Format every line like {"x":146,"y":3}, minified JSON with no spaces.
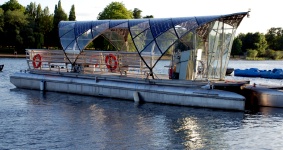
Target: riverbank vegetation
{"x":259,"y":46}
{"x":36,"y":27}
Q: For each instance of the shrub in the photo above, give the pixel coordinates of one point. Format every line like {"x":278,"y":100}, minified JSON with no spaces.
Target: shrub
{"x":278,"y":55}
{"x":252,"y":53}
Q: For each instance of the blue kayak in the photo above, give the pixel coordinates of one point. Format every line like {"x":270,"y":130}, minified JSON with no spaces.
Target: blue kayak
{"x":255,"y":72}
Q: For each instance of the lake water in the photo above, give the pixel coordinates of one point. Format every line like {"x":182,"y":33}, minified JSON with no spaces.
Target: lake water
{"x":32,"y":120}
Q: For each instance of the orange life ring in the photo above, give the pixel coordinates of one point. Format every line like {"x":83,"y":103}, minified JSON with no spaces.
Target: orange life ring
{"x":109,"y":62}
{"x":36,"y":61}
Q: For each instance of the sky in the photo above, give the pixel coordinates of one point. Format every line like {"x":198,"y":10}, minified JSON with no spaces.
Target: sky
{"x":263,"y":16}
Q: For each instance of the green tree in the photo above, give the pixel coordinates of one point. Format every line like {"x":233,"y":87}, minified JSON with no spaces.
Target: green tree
{"x":13,"y":5}
{"x":59,"y":15}
{"x":115,"y":10}
{"x":272,"y":54}
{"x":247,"y":41}
{"x":236,"y":47}
{"x":15,"y":22}
{"x":252,"y":53}
{"x":31,"y":10}
{"x":148,"y":16}
{"x":72,"y":14}
{"x":40,"y":24}
{"x":260,"y":43}
{"x":137,"y":13}
{"x":46,"y":26}
{"x":1,"y":20}
{"x":274,"y":38}
{"x":255,"y":41}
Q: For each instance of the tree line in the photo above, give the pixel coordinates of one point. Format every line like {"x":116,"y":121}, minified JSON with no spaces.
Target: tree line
{"x":259,"y":46}
{"x":31,"y":26}
{"x":36,"y":27}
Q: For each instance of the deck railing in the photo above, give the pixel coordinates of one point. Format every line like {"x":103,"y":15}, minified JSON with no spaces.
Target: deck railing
{"x":88,"y":62}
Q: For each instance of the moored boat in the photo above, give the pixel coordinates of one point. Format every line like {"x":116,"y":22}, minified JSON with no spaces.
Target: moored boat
{"x":229,"y":71}
{"x":266,"y":96}
{"x":255,"y":72}
{"x":252,"y":72}
{"x":129,"y":71}
{"x":272,"y":74}
{"x":1,"y":67}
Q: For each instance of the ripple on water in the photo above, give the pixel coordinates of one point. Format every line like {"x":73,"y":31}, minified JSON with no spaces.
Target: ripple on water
{"x":31,"y":120}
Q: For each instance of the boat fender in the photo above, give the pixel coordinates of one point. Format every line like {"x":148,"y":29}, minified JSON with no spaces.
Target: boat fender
{"x":42,"y":85}
{"x":109,"y":62}
{"x":36,"y":61}
{"x":136,"y":97}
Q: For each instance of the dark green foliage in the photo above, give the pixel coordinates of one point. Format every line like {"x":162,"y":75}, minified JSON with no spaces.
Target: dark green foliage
{"x":148,"y":16}
{"x":100,"y":43}
{"x":72,"y":14}
{"x":252,"y":53}
{"x":1,"y":20}
{"x":274,"y":37}
{"x":137,"y":13}
{"x":237,"y":47}
{"x":115,"y":10}
{"x":12,"y":5}
{"x":255,"y":41}
{"x":59,"y":15}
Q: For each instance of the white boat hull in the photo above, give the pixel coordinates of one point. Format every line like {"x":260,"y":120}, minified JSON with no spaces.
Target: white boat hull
{"x":147,"y":90}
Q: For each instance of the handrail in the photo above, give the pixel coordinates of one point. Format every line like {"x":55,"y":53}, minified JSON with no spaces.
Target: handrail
{"x":88,"y":62}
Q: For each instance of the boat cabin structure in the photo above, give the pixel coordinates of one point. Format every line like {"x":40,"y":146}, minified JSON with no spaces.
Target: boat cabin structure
{"x":197,"y":47}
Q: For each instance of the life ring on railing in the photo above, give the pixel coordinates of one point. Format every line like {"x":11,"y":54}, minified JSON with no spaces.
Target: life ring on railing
{"x":36,"y":61}
{"x":111,"y":62}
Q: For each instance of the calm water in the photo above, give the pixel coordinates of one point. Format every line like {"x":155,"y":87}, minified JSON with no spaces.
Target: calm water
{"x":32,"y":120}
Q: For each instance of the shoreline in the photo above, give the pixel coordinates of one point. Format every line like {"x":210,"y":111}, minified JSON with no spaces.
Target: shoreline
{"x":164,"y":57}
{"x":12,"y":56}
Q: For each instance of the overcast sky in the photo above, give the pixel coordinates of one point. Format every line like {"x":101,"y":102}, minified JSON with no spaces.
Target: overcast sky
{"x":264,"y":14}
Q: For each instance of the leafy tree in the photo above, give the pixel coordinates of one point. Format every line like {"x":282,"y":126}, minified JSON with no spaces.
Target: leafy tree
{"x":236,"y":47}
{"x":59,"y":15}
{"x":40,"y":24}
{"x":274,"y":54}
{"x":148,"y":16}
{"x":72,"y":14}
{"x":274,"y":38}
{"x":255,"y":41}
{"x":15,"y":22}
{"x":46,"y":26}
{"x":1,"y":20}
{"x":31,"y":10}
{"x":252,"y":53}
{"x":115,"y":10}
{"x":13,"y":5}
{"x":247,"y":41}
{"x":260,"y":43}
{"x":270,"y":53}
{"x":137,"y":13}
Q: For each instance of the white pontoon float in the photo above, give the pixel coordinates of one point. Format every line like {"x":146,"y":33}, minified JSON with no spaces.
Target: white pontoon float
{"x":198,"y":49}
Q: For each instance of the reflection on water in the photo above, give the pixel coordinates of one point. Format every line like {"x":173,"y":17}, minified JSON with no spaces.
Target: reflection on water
{"x":33,"y":120}
{"x":107,"y":124}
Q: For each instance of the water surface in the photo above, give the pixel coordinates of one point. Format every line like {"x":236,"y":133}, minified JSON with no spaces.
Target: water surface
{"x":30,"y":119}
